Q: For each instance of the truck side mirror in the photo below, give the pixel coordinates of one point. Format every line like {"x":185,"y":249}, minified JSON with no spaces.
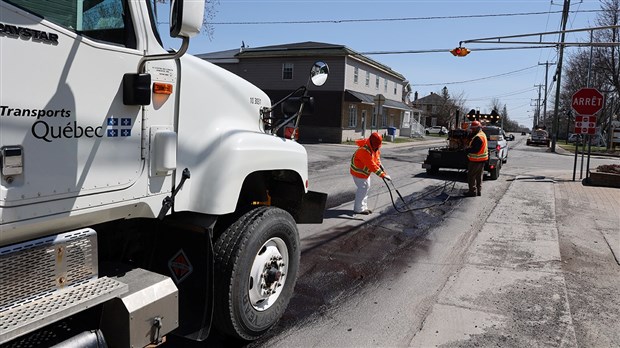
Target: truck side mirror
{"x":318,"y":73}
{"x":186,"y":17}
{"x":291,"y":106}
{"x":137,"y":89}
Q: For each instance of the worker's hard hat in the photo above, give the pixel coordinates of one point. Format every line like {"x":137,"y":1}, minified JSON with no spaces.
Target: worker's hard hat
{"x":375,"y":140}
{"x":475,"y":124}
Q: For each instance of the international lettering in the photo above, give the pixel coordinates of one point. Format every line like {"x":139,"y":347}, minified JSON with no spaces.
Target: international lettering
{"x":34,"y":35}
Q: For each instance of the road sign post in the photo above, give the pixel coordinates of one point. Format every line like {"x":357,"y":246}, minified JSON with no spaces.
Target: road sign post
{"x":586,"y":102}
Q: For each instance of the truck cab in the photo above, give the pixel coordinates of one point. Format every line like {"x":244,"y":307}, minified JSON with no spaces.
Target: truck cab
{"x":148,"y":183}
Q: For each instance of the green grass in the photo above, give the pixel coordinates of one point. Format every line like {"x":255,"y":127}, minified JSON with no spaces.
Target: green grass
{"x":571,"y":147}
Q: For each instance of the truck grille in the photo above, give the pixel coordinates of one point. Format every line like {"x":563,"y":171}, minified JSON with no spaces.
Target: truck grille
{"x":48,"y":279}
{"x":33,"y":269}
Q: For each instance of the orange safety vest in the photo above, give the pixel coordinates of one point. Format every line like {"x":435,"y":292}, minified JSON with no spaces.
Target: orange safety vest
{"x":365,"y":161}
{"x":483,"y":154}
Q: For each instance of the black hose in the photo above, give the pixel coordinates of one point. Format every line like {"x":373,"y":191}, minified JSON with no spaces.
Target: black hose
{"x":409,"y":209}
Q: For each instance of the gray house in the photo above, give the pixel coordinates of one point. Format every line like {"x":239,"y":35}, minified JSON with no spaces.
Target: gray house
{"x":360,"y":96}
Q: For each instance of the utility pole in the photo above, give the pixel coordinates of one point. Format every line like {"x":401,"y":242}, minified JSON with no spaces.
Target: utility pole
{"x":546,"y":64}
{"x":555,"y":127}
{"x":538,"y":107}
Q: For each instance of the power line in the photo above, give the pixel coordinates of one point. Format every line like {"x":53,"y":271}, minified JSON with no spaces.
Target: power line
{"x":340,"y":21}
{"x":474,"y":80}
{"x":444,"y":50}
{"x":498,"y":96}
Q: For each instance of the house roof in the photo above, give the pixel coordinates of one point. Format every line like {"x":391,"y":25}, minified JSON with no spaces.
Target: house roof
{"x":299,"y":49}
{"x":433,"y":99}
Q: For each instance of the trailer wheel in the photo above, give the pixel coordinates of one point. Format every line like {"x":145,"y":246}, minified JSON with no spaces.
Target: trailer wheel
{"x":256,"y":263}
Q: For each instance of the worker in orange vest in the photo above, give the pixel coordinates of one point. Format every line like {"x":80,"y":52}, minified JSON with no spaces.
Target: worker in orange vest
{"x":477,"y":155}
{"x":366,"y":160}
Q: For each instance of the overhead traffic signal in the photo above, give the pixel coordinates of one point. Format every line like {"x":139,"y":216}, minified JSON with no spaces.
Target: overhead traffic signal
{"x":460,"y":52}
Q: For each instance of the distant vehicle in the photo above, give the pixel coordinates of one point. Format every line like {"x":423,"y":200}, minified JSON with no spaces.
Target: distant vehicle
{"x":523,"y":133}
{"x":574,"y":138}
{"x":538,"y":137}
{"x":441,"y":130}
{"x":510,"y":137}
{"x":496,"y":141}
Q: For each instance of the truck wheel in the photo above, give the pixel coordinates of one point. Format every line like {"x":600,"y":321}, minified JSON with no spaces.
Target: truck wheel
{"x":495,"y":173}
{"x":256,"y":263}
{"x":433,"y":170}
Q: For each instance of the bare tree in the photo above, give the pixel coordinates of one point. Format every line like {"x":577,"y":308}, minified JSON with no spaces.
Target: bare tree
{"x":602,"y":71}
{"x":210,"y":12}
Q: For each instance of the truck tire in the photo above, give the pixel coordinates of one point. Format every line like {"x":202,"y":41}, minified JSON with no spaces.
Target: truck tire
{"x":433,"y":170}
{"x":256,"y":263}
{"x":495,"y":172}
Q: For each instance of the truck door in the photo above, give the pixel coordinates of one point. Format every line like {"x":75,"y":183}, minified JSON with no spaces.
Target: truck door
{"x":64,"y":130}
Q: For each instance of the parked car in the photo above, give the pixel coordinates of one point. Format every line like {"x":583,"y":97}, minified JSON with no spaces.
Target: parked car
{"x":441,"y":130}
{"x":574,"y":138}
{"x":496,"y":141}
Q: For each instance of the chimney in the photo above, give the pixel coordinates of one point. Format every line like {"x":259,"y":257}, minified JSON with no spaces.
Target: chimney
{"x":415,"y":96}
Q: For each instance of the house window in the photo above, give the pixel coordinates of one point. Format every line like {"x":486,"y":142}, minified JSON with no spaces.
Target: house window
{"x":385,"y":86}
{"x":384,"y":118}
{"x":356,"y":72}
{"x":395,"y":85}
{"x":376,"y":82}
{"x":352,"y":115}
{"x":367,"y":78}
{"x":287,"y":71}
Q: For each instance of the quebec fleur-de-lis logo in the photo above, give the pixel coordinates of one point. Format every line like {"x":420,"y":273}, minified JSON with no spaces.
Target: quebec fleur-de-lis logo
{"x":118,"y":127}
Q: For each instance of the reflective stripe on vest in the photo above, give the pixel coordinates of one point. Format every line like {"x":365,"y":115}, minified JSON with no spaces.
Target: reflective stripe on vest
{"x":364,"y":171}
{"x":483,"y":154}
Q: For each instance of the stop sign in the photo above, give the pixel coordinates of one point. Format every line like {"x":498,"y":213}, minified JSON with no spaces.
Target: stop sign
{"x":587,"y":101}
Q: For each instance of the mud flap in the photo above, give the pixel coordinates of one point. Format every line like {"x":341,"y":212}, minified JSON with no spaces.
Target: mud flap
{"x":312,"y":208}
{"x":188,"y":260}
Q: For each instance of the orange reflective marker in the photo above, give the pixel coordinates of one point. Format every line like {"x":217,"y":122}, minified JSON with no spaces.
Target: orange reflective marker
{"x":162,"y":88}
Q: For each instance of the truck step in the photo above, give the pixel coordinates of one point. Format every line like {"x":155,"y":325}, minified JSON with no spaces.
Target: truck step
{"x":48,"y":279}
{"x":31,"y":315}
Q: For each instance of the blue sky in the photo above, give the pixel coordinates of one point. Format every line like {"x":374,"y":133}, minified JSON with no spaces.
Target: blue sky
{"x":410,"y":29}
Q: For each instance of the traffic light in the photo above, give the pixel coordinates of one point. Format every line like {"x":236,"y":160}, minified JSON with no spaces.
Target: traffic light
{"x":460,"y":52}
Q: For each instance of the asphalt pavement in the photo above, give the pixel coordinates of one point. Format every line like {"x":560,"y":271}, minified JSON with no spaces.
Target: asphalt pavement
{"x":531,"y":266}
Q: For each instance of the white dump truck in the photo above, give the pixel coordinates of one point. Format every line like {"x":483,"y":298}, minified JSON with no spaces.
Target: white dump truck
{"x":144,"y":192}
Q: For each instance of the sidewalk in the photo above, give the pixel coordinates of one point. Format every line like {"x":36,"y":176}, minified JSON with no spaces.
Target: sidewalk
{"x":543,"y":277}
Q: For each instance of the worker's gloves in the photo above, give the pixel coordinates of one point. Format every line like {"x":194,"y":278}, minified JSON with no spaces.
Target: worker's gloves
{"x":387,"y":177}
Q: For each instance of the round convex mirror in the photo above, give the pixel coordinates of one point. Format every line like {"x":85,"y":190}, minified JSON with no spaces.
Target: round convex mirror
{"x":319,"y":73}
